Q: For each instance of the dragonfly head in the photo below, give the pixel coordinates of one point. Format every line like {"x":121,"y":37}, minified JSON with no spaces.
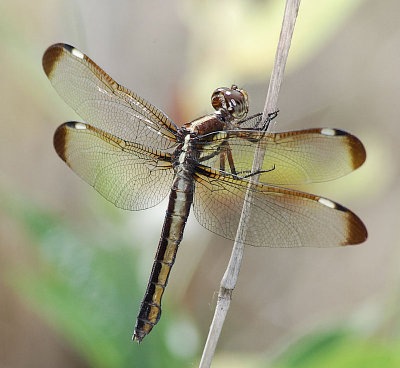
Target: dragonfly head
{"x":233,"y":100}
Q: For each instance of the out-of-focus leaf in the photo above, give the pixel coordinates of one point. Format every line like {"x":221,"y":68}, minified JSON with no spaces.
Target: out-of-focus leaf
{"x":339,"y":348}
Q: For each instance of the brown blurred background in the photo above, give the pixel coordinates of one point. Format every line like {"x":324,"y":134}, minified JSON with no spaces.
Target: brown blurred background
{"x":342,"y":73}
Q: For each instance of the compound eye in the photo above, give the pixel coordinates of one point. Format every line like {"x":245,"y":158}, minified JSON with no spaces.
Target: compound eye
{"x":233,"y":100}
{"x":218,"y":99}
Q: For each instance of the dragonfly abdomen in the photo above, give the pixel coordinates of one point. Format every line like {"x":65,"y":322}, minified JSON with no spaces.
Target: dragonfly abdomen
{"x":180,"y":201}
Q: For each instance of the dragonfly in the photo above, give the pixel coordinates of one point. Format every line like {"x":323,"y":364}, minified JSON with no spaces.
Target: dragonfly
{"x":134,"y":156}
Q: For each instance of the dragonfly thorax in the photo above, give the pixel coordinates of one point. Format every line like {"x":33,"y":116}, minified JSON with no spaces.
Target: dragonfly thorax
{"x":206,"y":124}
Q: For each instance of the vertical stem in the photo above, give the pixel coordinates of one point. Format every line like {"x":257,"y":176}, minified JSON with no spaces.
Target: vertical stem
{"x":230,"y":277}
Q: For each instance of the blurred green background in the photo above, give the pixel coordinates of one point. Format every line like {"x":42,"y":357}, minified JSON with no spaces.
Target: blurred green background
{"x":73,"y":269}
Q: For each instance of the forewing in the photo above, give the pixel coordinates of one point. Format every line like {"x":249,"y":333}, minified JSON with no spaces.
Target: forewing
{"x":102,"y":102}
{"x":127,"y":174}
{"x":294,"y":157}
{"x":277,"y":217}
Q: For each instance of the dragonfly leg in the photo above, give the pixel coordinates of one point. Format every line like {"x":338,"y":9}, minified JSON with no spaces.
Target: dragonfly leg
{"x":230,"y":158}
{"x":259,"y":129}
{"x":271,"y":116}
{"x":210,"y":156}
{"x":250,"y":118}
{"x":225,"y":153}
{"x":222,"y":158}
{"x":254,"y":173}
{"x":261,"y":125}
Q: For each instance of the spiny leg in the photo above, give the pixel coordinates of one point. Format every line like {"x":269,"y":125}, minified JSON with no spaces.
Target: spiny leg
{"x":271,"y":116}
{"x":254,"y":173}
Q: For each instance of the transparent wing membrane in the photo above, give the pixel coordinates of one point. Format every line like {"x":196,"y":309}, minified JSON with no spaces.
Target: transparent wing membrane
{"x":294,"y":157}
{"x":103,"y":103}
{"x":278,"y":217}
{"x":127,"y":174}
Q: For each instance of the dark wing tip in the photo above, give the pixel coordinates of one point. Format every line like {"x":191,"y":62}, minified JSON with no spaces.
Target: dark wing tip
{"x":52,"y":55}
{"x":356,"y":148}
{"x":60,"y":139}
{"x":356,"y":231}
{"x":357,"y":151}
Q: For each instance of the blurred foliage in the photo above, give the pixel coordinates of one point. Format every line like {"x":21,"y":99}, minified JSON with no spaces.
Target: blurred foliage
{"x":339,"y":347}
{"x":85,"y":287}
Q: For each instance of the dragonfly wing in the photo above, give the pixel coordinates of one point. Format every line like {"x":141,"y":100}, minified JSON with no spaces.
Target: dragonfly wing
{"x":294,"y":157}
{"x":278,"y":217}
{"x":127,"y":174}
{"x":102,"y":102}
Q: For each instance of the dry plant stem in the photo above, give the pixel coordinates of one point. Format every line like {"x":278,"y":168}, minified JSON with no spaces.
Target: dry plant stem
{"x":230,"y":277}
